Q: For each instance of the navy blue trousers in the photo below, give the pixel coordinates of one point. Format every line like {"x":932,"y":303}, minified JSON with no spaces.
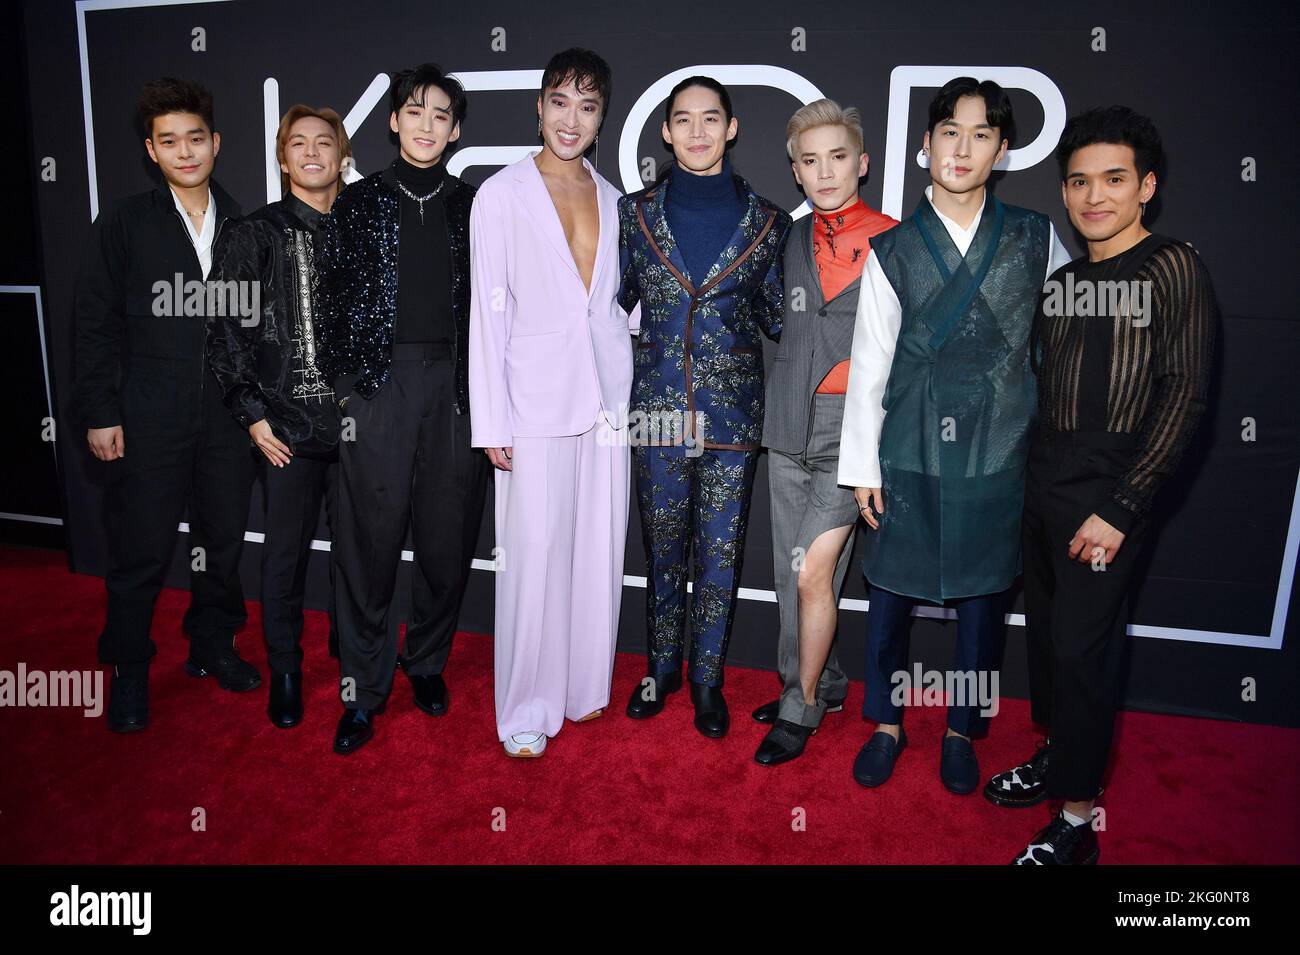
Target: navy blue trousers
{"x":979,"y":644}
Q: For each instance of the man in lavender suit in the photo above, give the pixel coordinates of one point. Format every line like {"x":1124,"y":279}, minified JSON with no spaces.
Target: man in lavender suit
{"x":550,"y":375}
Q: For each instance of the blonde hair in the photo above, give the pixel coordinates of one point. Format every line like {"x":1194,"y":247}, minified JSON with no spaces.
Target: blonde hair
{"x":823,"y":112}
{"x":297,"y":112}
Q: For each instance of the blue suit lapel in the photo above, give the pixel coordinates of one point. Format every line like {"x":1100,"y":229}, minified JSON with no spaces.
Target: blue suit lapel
{"x":746,"y":229}
{"x":661,"y":237}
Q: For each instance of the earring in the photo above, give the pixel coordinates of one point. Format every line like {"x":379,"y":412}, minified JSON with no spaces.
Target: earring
{"x":595,"y":159}
{"x":539,"y":125}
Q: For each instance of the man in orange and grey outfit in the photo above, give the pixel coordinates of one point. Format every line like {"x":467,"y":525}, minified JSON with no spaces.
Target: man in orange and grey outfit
{"x":812,"y":516}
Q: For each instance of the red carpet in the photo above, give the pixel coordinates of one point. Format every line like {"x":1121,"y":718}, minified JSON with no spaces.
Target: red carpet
{"x":612,"y":790}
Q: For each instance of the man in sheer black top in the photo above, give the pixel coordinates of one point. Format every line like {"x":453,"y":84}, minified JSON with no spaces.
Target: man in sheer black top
{"x":1121,"y":347}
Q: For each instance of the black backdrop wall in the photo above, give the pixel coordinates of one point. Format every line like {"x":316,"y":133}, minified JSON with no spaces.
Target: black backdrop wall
{"x":1212,"y":615}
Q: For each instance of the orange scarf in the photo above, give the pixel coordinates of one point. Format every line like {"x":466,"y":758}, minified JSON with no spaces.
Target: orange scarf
{"x":841,"y":243}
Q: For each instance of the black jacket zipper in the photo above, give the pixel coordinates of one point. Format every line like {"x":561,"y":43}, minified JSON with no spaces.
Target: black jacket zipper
{"x":203,"y":338}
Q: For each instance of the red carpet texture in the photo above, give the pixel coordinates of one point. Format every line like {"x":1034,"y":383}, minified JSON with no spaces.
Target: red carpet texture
{"x":211,"y":781}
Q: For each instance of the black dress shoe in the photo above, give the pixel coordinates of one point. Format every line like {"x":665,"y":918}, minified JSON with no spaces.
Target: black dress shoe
{"x":641,"y":708}
{"x":711,"y":716}
{"x":767,"y":713}
{"x":959,"y":770}
{"x":430,"y":693}
{"x":285,"y":704}
{"x":1061,"y":843}
{"x":128,"y":701}
{"x":784,"y":741}
{"x":355,"y":729}
{"x":1023,"y":785}
{"x":232,"y":673}
{"x":875,"y":762}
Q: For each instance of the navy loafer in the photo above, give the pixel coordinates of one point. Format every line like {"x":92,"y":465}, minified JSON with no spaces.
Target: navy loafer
{"x":875,"y":763}
{"x":959,"y":770}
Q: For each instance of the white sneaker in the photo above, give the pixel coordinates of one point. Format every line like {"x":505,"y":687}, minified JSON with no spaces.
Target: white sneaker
{"x":525,"y":744}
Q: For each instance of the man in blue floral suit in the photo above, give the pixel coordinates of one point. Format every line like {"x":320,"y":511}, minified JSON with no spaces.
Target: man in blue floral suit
{"x":701,"y":252}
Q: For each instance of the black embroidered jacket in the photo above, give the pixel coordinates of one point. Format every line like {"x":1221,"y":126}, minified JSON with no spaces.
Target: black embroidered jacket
{"x":267,"y":364}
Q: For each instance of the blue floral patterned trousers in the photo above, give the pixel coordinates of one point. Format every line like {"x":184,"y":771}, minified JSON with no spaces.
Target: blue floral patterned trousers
{"x":698,"y":499}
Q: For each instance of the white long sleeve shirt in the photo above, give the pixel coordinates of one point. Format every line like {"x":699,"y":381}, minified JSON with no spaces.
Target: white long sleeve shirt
{"x":202,"y":240}
{"x":880,"y":316}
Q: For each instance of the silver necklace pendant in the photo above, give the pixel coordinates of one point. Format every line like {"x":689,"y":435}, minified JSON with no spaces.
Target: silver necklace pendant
{"x":420,"y":200}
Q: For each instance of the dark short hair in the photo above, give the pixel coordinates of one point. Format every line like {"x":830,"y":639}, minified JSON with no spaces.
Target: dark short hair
{"x":406,"y":83}
{"x":709,"y":83}
{"x":587,"y":69}
{"x":172,"y":95}
{"x":1112,"y":124}
{"x":997,"y":105}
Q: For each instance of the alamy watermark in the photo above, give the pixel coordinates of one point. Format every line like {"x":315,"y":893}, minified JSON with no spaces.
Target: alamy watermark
{"x":80,"y":689}
{"x":1088,"y":298}
{"x":211,"y":298}
{"x":75,"y":907}
{"x":946,"y":688}
{"x":659,"y":428}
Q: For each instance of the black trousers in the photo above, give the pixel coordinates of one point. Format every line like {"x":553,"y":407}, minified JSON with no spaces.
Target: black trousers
{"x":405,"y":463}
{"x":1076,"y":616}
{"x":293,"y":502}
{"x":183,"y":453}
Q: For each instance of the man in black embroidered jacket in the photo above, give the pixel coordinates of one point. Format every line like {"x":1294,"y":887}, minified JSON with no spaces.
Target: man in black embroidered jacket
{"x":394,"y":339}
{"x":142,"y":375}
{"x":268,"y":373}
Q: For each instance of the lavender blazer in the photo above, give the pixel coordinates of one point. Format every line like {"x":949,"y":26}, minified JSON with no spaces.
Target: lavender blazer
{"x":545,"y":358}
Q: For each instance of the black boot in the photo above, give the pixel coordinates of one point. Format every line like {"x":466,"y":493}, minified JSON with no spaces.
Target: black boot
{"x":1023,"y":785}
{"x":430,"y":693}
{"x":285,"y":705}
{"x":128,"y":698}
{"x":355,"y":729}
{"x":648,"y":700}
{"x":711,"y":716}
{"x":1060,"y":843}
{"x":224,"y":663}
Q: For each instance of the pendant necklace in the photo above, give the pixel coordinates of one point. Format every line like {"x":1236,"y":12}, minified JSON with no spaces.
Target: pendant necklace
{"x":420,"y":200}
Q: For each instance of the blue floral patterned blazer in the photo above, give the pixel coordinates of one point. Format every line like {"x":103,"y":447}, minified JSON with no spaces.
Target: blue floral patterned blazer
{"x":699,"y":358}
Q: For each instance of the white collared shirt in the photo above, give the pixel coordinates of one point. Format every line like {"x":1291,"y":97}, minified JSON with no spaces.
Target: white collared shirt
{"x":880,"y":315}
{"x":202,"y":240}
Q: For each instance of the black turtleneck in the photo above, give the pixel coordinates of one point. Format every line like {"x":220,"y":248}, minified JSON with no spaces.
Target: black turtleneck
{"x":423,"y":257}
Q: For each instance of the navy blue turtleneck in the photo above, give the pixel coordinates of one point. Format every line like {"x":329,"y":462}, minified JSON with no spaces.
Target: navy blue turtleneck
{"x":702,"y":212}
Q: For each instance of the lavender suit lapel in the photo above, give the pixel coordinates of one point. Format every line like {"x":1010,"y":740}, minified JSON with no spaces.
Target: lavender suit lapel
{"x":536,"y":202}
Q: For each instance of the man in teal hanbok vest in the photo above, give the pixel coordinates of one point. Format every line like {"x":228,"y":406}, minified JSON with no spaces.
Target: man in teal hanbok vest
{"x":936,"y":421}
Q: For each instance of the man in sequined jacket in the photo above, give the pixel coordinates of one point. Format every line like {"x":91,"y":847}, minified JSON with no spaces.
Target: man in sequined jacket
{"x":269,"y":379}
{"x":395,"y":273}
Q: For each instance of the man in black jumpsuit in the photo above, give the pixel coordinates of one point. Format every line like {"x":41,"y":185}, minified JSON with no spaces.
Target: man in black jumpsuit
{"x":142,"y":376}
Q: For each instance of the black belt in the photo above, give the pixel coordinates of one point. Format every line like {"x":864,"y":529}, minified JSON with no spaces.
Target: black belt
{"x":422,"y":351}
